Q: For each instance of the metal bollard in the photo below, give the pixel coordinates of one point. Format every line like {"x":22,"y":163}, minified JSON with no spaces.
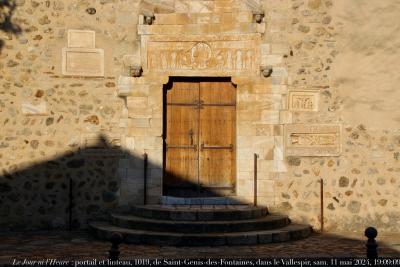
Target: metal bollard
{"x":371,"y":245}
{"x":116,"y":240}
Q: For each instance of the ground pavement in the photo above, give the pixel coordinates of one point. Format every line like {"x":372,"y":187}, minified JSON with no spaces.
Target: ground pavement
{"x":82,"y":246}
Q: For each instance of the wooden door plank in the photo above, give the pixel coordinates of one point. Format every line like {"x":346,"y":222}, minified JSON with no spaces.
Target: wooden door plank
{"x":181,"y":168}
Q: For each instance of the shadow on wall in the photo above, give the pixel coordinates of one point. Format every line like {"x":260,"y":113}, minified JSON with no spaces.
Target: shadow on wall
{"x":37,"y":197}
{"x":7,"y":9}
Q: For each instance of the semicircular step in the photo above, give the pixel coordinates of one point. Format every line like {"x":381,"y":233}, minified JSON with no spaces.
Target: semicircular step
{"x":201,"y":212}
{"x":104,"y":231}
{"x":140,"y":223}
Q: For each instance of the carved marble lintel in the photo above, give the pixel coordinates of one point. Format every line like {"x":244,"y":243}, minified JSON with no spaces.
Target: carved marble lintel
{"x":199,"y":55}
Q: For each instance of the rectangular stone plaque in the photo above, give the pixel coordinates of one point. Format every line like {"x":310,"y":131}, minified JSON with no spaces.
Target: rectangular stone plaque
{"x":304,"y":100}
{"x":81,"y":39}
{"x":94,"y":144}
{"x":83,"y":62}
{"x":201,"y":54}
{"x":312,"y":140}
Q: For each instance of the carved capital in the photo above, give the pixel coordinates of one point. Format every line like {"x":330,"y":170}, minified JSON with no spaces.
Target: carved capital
{"x":266,"y":71}
{"x":258,"y":17}
{"x":135,"y":71}
{"x":148,"y":18}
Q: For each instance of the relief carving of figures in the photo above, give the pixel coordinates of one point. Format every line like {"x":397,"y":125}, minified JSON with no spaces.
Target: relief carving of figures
{"x":200,"y":56}
{"x":302,"y":102}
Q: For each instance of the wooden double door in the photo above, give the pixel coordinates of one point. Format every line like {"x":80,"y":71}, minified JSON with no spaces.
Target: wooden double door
{"x":200,"y":138}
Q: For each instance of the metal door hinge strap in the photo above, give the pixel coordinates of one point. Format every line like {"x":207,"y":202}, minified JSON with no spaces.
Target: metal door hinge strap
{"x":183,"y":147}
{"x":217,"y":147}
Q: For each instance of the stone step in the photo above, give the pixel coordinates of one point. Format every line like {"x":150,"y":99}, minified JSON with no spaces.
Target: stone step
{"x":169,"y":200}
{"x":199,"y":212}
{"x":264,"y":223}
{"x":104,"y":231}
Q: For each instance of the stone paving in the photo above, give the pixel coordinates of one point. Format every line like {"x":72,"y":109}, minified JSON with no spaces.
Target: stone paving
{"x":82,"y":246}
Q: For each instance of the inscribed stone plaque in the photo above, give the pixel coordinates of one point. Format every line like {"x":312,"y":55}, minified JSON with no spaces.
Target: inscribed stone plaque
{"x":81,"y":39}
{"x":83,"y":62}
{"x":201,"y":54}
{"x":312,"y":140}
{"x":303,"y":100}
{"x":101,"y":145}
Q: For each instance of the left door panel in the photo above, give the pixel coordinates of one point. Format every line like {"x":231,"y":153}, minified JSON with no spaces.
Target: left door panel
{"x":182,"y":159}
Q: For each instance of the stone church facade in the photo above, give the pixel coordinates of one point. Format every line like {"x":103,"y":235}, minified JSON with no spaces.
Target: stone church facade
{"x":88,"y":87}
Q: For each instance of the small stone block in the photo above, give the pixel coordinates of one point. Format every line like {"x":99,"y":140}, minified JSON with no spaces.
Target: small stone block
{"x":32,"y":109}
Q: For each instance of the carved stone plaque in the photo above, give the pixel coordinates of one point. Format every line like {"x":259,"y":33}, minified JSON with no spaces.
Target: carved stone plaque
{"x":312,"y":140}
{"x":303,"y":100}
{"x":81,"y":39}
{"x":83,"y":62}
{"x":201,"y":54}
{"x":101,"y":145}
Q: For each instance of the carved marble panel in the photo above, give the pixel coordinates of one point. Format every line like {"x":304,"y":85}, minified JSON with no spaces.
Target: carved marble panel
{"x":81,"y":39}
{"x":102,"y":145}
{"x":201,"y":54}
{"x":83,"y":62}
{"x":312,"y":140}
{"x":304,"y":100}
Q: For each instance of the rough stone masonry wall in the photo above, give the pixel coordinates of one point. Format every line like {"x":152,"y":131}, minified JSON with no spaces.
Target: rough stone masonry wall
{"x":49,"y":122}
{"x":345,"y":56}
{"x":45,"y":117}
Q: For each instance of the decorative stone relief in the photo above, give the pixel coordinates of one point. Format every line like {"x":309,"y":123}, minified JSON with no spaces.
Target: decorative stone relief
{"x":229,"y":54}
{"x":95,"y":144}
{"x":312,"y":140}
{"x":81,"y":58}
{"x":303,"y":100}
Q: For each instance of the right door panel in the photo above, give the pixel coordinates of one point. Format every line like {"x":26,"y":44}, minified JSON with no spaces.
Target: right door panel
{"x":217,"y":138}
